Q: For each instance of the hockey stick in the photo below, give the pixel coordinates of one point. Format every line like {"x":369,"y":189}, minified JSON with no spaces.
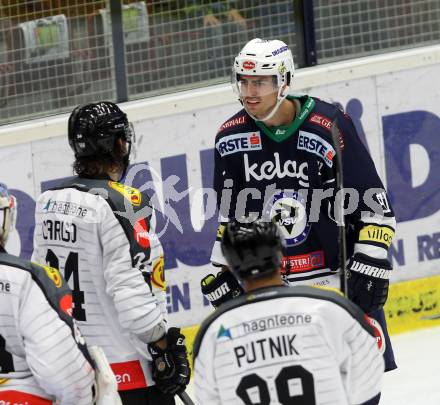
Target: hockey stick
{"x":339,"y":206}
{"x":186,"y":399}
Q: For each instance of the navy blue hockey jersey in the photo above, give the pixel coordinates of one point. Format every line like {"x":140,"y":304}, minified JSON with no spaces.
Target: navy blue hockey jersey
{"x":287,"y":174}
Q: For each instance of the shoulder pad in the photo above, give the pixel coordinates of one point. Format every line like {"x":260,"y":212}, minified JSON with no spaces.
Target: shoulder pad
{"x":281,"y":292}
{"x":50,"y":281}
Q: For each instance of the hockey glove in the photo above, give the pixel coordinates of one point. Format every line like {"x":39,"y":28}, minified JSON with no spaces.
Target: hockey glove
{"x":220,"y":289}
{"x":171,"y":370}
{"x":368,"y":281}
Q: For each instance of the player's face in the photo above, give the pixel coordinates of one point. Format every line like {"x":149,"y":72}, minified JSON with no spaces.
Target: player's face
{"x":259,"y":94}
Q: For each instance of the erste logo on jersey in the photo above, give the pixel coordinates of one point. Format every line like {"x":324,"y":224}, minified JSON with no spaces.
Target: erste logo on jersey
{"x":288,"y":211}
{"x":130,"y":193}
{"x":242,"y":142}
{"x":271,"y":169}
{"x":315,"y":144}
{"x":141,"y":234}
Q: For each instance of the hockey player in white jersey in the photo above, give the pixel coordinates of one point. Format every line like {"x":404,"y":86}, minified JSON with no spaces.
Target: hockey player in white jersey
{"x":43,"y":357}
{"x":100,"y":233}
{"x":278,"y":344}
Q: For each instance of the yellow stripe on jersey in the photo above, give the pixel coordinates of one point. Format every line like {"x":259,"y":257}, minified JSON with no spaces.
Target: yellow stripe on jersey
{"x":378,"y":234}
{"x":3,"y":380}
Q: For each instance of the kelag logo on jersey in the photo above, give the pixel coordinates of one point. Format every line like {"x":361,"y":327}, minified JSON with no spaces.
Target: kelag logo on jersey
{"x":287,"y":209}
{"x":269,"y":170}
{"x":243,"y":142}
{"x":315,"y":144}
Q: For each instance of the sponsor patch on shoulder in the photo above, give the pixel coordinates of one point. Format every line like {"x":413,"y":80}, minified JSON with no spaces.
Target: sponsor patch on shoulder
{"x":315,"y":144}
{"x":232,"y":123}
{"x":130,"y":193}
{"x":322,"y":121}
{"x":243,"y":142}
{"x":54,"y":275}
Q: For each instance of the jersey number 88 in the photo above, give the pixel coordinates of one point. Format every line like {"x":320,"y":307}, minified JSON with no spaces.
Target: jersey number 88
{"x":282,"y":383}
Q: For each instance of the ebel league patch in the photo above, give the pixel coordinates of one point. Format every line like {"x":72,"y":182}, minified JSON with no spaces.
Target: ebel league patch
{"x":243,"y":142}
{"x":315,"y":144}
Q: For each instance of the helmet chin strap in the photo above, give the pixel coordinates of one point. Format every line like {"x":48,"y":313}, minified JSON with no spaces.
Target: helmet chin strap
{"x":281,"y":96}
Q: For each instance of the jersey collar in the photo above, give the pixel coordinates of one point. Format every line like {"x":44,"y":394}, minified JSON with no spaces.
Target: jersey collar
{"x":282,"y":132}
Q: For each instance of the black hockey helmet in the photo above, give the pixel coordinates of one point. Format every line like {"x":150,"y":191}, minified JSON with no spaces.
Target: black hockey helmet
{"x":93,"y":128}
{"x":251,"y":248}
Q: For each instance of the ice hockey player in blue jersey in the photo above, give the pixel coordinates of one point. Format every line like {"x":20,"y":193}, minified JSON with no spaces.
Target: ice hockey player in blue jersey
{"x":278,"y":344}
{"x":275,"y":159}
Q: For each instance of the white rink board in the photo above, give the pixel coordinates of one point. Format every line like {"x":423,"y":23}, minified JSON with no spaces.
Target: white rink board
{"x":397,"y":111}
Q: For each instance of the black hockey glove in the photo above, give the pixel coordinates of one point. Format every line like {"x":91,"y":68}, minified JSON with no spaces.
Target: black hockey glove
{"x":368,"y":281}
{"x":220,"y":289}
{"x":171,"y":370}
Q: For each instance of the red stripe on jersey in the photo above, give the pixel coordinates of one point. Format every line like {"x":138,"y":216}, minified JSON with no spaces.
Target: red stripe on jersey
{"x":22,"y":398}
{"x":129,"y":375}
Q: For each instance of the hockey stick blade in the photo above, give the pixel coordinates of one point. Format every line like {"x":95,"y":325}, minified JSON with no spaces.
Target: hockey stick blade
{"x":339,"y":205}
{"x":185,"y":398}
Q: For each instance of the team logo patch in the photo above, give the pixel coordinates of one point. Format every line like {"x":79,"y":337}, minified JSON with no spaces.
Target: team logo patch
{"x":54,"y":275}
{"x":378,"y":333}
{"x":158,"y":275}
{"x":315,"y":144}
{"x":244,"y":142}
{"x":140,"y":233}
{"x":288,"y":211}
{"x":66,"y":304}
{"x":130,"y":193}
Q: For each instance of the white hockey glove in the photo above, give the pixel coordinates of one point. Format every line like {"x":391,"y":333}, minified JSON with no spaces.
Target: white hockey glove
{"x":106,"y":385}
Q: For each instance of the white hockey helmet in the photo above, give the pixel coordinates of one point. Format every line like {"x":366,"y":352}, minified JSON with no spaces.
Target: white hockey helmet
{"x":261,"y":57}
{"x":8,"y":209}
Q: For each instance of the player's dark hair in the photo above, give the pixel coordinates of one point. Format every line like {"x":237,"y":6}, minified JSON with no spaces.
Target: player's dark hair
{"x":101,"y":164}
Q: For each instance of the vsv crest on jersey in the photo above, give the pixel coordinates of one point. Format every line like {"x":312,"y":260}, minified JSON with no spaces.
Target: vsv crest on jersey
{"x":287,"y":209}
{"x":315,"y":144}
{"x":242,"y":142}
{"x":269,"y":170}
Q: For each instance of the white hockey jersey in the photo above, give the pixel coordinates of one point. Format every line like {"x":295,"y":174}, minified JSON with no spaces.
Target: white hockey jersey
{"x":43,"y":357}
{"x":100,"y":234}
{"x":287,"y":345}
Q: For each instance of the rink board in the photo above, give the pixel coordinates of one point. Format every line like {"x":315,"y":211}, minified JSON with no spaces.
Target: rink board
{"x":391,"y":99}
